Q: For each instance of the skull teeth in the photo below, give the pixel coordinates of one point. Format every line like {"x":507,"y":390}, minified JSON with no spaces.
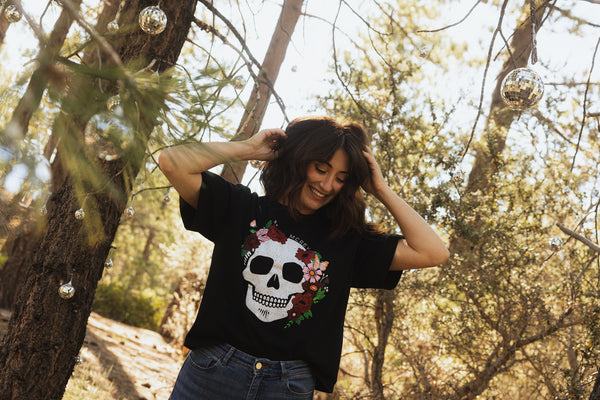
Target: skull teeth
{"x":269,"y":301}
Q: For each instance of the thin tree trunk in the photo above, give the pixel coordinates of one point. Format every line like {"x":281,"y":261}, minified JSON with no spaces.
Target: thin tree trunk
{"x":501,"y":116}
{"x":4,"y":24}
{"x":45,"y":333}
{"x":485,"y":164}
{"x":384,"y":319}
{"x":261,"y":93}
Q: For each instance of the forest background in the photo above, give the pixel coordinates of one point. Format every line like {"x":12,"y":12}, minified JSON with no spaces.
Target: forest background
{"x":513,"y":313}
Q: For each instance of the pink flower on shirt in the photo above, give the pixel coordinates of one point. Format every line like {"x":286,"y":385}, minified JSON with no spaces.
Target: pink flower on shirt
{"x":312,"y":272}
{"x":262,"y":235}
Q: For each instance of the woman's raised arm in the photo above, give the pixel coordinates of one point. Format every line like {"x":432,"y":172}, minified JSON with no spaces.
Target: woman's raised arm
{"x":422,"y":247}
{"x":184,"y":164}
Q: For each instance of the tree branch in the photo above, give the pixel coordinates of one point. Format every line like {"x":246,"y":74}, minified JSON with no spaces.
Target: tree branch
{"x":454,"y":24}
{"x":587,"y":87}
{"x":579,"y":237}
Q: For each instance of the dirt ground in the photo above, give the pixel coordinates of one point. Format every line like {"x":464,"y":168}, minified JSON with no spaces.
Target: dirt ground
{"x":135,"y":363}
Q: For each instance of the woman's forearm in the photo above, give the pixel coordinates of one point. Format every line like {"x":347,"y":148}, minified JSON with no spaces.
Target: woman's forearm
{"x":422,"y":246}
{"x":183,"y":164}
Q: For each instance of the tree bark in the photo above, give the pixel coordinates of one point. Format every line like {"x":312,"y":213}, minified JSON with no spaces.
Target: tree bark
{"x":384,"y":319}
{"x":21,"y":242}
{"x":45,"y":333}
{"x":4,"y":24}
{"x":263,"y":87}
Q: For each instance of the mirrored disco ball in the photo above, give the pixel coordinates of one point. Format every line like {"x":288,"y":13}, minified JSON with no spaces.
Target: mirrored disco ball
{"x":113,"y":26}
{"x":153,"y":20}
{"x":66,"y":291}
{"x":522,"y":88}
{"x":12,"y":14}
{"x":109,"y":134}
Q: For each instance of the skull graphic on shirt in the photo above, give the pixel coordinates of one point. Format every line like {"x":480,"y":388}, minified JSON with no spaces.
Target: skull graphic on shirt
{"x":274,"y":275}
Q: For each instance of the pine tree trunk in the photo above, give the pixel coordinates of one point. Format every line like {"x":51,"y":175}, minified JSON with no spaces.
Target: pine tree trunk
{"x":501,"y":116}
{"x":4,"y":24}
{"x":485,"y":164}
{"x":263,"y":88}
{"x":18,"y":247}
{"x":46,"y":332}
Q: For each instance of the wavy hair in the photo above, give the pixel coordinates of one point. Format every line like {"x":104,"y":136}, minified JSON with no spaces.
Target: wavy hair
{"x":312,"y":139}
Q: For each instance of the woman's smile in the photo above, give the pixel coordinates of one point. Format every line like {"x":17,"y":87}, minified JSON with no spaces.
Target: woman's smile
{"x":324,"y":180}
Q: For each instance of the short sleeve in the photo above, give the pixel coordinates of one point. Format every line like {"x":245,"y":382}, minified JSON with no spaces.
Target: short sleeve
{"x":220,"y":204}
{"x":373,"y":260}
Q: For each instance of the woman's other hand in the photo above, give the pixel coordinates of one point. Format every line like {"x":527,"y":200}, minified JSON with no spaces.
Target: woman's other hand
{"x":265,"y":144}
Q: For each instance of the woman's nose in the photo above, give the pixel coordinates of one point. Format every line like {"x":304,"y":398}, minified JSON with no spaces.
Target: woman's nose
{"x":327,"y":183}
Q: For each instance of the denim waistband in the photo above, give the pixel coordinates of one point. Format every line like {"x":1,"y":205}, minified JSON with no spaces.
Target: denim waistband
{"x":230,"y":354}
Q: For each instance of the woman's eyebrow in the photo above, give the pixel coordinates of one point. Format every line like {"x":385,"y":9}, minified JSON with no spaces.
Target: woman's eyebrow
{"x":331,"y":166}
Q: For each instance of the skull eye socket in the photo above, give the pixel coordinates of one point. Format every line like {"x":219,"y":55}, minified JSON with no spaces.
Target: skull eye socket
{"x":261,"y":265}
{"x":292,"y":272}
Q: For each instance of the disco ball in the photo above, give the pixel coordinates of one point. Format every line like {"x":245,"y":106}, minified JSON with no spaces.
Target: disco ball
{"x":522,"y":88}
{"x":113,"y":26}
{"x":66,"y":291}
{"x":12,"y":14}
{"x":153,"y":20}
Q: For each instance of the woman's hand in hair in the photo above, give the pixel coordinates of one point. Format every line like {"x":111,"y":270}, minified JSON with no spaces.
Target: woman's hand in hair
{"x":266,"y":144}
{"x":376,"y":183}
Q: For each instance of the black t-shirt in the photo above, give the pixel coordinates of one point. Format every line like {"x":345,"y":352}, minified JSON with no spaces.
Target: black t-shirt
{"x":278,"y":287}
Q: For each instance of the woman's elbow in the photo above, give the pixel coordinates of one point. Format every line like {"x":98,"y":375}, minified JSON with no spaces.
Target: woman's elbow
{"x":165,"y":161}
{"x":441,"y":256}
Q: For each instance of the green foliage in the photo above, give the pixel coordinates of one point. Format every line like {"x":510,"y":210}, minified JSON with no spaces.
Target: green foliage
{"x":143,"y":309}
{"x":506,"y":310}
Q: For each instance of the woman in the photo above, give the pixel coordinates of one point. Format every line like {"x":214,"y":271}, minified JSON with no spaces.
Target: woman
{"x":271,"y":320}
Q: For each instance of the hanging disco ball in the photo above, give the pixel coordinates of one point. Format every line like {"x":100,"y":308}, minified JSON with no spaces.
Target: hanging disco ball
{"x":113,"y":26}
{"x":80,"y":214}
{"x":555,"y":243}
{"x":12,"y":14}
{"x":109,"y":134}
{"x":153,"y":20}
{"x":239,"y":82}
{"x":113,"y":102}
{"x":522,"y":88}
{"x":129,"y":211}
{"x":66,"y":291}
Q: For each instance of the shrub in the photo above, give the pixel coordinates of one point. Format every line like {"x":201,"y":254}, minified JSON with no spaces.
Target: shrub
{"x":141,"y":309}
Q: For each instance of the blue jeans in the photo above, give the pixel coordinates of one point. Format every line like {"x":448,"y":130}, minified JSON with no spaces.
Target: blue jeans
{"x":222,"y":372}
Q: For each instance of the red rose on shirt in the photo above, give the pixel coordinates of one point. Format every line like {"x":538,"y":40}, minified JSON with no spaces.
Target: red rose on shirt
{"x":251,"y":242}
{"x":276,"y":234}
{"x":302,"y":302}
{"x":305,"y":256}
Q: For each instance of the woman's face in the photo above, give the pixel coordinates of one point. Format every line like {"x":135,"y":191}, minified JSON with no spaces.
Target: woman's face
{"x":324,"y":180}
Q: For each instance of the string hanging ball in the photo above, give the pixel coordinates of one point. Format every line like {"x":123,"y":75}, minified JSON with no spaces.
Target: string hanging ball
{"x":66,"y":291}
{"x":113,"y":102}
{"x":555,"y":243}
{"x":112,"y":26}
{"x":153,"y":20}
{"x":129,"y":211}
{"x":12,"y":14}
{"x":522,"y":88}
{"x":80,"y":214}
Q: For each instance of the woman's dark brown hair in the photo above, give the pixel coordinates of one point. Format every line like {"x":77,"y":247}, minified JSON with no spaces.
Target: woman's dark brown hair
{"x":317,"y":139}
